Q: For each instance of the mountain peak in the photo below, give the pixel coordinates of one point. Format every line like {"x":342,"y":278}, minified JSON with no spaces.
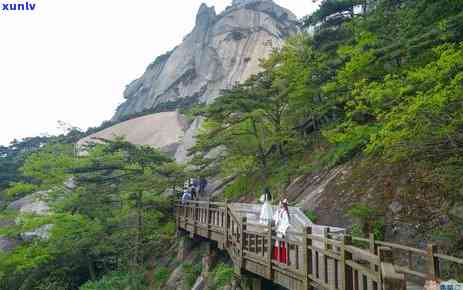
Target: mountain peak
{"x":241,"y":2}
{"x":205,"y":15}
{"x":220,"y":51}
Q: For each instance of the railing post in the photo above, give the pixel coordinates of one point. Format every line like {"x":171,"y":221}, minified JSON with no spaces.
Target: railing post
{"x":390,"y":279}
{"x":432,"y":263}
{"x":208,"y":219}
{"x":311,"y":255}
{"x":225,"y":240}
{"x":372,"y":244}
{"x":345,"y":270}
{"x":326,"y":232}
{"x":373,"y":250}
{"x":195,"y":220}
{"x":307,"y":260}
{"x":242,"y":241}
{"x":269,"y":254}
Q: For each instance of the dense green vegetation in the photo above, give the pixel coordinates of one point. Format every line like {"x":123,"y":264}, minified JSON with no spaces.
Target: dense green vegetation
{"x":113,"y":219}
{"x":12,"y":157}
{"x":381,"y":83}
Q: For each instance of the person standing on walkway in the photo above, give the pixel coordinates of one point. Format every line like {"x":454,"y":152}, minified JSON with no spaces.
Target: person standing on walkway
{"x":202,"y":185}
{"x":266,"y":212}
{"x":186,"y":196}
{"x":193,"y":192}
{"x":282,"y":223}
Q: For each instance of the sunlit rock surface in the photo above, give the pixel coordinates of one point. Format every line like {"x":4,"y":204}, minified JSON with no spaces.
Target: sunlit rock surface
{"x":220,"y":51}
{"x":162,"y":130}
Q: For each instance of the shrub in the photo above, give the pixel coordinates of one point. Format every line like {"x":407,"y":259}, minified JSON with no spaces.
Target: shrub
{"x":161,"y":276}
{"x":311,"y":215}
{"x":169,"y":229}
{"x":117,"y":281}
{"x":223,"y":275}
{"x":191,"y":273}
{"x":19,"y":190}
{"x":361,"y":211}
{"x":370,"y":221}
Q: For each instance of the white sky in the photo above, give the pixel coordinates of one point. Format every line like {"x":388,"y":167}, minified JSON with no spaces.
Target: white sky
{"x":70,"y":60}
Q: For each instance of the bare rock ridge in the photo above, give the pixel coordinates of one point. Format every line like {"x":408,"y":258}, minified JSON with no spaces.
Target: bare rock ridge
{"x":220,"y":51}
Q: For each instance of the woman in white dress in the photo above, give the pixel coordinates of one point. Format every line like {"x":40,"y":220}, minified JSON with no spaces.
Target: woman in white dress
{"x":282,"y":223}
{"x":266,"y":212}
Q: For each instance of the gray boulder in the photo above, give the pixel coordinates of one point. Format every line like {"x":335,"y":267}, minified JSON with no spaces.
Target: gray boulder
{"x":31,"y":204}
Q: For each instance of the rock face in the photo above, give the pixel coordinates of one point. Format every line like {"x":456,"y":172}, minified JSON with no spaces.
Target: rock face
{"x":220,"y":51}
{"x":163,"y":130}
{"x":241,"y":2}
{"x":31,"y":204}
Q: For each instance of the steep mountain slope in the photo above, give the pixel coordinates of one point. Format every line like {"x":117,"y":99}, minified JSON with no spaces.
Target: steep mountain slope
{"x":220,"y":51}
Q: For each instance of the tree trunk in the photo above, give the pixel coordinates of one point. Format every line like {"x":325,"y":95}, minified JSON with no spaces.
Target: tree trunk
{"x":139,"y":229}
{"x":261,"y":151}
{"x":91,"y":269}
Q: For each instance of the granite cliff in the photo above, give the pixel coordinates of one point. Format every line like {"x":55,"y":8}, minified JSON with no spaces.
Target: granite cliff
{"x":221,"y":50}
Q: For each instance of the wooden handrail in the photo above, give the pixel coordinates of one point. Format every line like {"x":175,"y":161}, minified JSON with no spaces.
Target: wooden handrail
{"x":312,"y":259}
{"x":449,"y":258}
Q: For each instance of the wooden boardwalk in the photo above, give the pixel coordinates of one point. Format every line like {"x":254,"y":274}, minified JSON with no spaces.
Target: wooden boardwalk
{"x":327,"y":260}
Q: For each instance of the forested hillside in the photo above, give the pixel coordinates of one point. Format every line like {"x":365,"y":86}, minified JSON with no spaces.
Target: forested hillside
{"x":373,"y":84}
{"x":370,"y":95}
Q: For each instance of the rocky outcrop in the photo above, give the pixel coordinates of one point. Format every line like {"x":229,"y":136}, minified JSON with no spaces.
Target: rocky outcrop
{"x":181,"y":155}
{"x":162,"y":130}
{"x":31,"y":204}
{"x":220,"y":51}
{"x":390,"y":190}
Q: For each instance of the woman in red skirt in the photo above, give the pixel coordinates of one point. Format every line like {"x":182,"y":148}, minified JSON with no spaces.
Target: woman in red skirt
{"x":280,"y":252}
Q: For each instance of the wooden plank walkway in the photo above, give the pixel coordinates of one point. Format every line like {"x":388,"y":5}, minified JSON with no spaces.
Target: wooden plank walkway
{"x":333,"y":261}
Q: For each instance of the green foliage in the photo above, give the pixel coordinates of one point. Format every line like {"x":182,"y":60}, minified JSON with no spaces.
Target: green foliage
{"x":222,"y":276}
{"x":13,"y":156}
{"x":117,"y":281}
{"x":191,"y":273}
{"x":369,"y":221}
{"x":240,"y":187}
{"x":384,"y":85}
{"x":193,"y":111}
{"x":312,"y":215}
{"x":49,"y":165}
{"x":169,"y":229}
{"x":18,"y":190}
{"x":362,"y":211}
{"x":161,"y":276}
{"x":112,"y":220}
{"x":70,"y":241}
{"x":328,"y":8}
{"x":356,"y":231}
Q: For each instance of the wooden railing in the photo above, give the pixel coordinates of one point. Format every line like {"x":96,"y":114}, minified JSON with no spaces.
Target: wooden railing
{"x":327,"y":261}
